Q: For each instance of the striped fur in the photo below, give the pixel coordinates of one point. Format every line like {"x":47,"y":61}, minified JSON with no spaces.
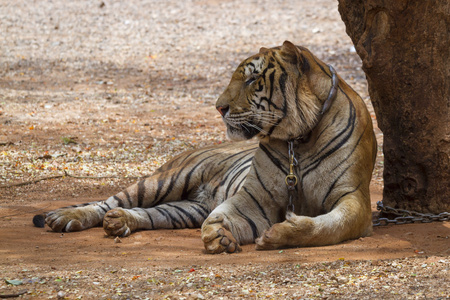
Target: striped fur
{"x":237,"y":192}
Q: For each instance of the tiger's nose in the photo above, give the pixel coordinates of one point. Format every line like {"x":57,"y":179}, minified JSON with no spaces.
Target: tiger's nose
{"x":222,"y":109}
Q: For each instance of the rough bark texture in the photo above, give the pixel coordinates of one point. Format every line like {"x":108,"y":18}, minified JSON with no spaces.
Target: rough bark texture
{"x":404,"y":46}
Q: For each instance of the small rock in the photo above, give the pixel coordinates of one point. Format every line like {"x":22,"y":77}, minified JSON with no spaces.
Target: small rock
{"x":340,"y":279}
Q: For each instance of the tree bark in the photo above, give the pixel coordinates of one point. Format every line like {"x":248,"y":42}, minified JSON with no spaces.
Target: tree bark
{"x":404,"y":47}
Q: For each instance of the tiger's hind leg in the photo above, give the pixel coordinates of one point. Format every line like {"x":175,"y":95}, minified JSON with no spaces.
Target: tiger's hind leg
{"x":80,"y":217}
{"x":141,"y":194}
{"x":174,"y":215}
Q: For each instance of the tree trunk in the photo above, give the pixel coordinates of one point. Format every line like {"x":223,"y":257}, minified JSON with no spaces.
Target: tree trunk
{"x":404,"y":46}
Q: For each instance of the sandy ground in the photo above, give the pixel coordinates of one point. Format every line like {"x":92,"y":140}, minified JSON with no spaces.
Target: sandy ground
{"x":113,"y":90}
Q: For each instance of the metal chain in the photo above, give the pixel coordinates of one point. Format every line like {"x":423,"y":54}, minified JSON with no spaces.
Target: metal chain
{"x":406,"y":216}
{"x":291,"y":179}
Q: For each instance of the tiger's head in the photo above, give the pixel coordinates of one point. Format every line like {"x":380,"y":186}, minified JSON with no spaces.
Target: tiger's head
{"x":274,"y":93}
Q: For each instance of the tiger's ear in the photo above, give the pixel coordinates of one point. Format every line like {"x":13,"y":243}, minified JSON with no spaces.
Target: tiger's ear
{"x":263,"y":50}
{"x":291,"y":53}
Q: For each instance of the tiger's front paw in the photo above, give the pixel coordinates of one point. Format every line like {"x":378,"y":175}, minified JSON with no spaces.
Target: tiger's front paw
{"x":294,"y":231}
{"x":116,"y":223}
{"x":271,"y":239}
{"x":216,"y":238}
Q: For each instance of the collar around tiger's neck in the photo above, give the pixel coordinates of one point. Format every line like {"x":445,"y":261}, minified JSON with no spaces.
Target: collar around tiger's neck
{"x":326,"y":105}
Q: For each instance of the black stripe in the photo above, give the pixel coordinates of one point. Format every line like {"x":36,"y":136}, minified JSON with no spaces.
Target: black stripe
{"x":265,"y":70}
{"x":161,"y":180}
{"x":119,"y":201}
{"x":273,"y":159}
{"x":185,"y":192}
{"x":241,"y":168}
{"x":217,"y":174}
{"x":305,"y":67}
{"x":270,"y":131}
{"x":161,"y":185}
{"x":331,"y":124}
{"x":252,"y":65}
{"x":352,"y":151}
{"x":317,"y":63}
{"x":333,"y":184}
{"x":230,"y":172}
{"x":216,"y":188}
{"x":345,"y":194}
{"x":204,"y":212}
{"x":250,"y":222}
{"x":141,"y":192}
{"x":260,"y":87}
{"x":350,"y":128}
{"x":272,"y":81}
{"x":238,"y":187}
{"x":282,"y":82}
{"x":174,"y":178}
{"x":182,"y":221}
{"x":130,"y":202}
{"x":258,"y":105}
{"x":168,"y":216}
{"x":258,"y":205}
{"x":148,"y":215}
{"x":187,"y":214}
{"x":234,"y":178}
{"x":262,"y":184}
{"x":104,"y":209}
{"x":350,"y":125}
{"x":190,"y":154}
{"x":204,"y":216}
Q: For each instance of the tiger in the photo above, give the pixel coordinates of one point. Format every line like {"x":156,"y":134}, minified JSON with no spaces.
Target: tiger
{"x":296,"y":173}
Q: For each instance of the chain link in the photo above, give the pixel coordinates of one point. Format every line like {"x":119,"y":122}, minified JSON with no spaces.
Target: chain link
{"x":406,"y":216}
{"x":291,"y":179}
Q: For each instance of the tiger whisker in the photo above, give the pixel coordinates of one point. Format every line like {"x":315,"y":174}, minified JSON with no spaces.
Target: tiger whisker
{"x":244,"y":126}
{"x":268,"y":121}
{"x":257,"y":128}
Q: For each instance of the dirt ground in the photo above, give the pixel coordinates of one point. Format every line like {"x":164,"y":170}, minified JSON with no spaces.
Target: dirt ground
{"x":94,"y":95}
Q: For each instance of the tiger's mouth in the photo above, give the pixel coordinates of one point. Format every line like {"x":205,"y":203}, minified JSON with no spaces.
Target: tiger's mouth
{"x":243,"y":126}
{"x":242,"y":131}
